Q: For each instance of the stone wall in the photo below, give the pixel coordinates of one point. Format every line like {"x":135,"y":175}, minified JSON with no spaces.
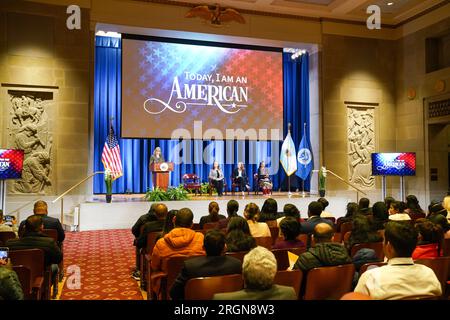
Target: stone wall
{"x":39,"y":54}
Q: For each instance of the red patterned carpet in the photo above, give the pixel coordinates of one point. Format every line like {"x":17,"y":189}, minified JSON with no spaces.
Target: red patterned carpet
{"x":106,"y":259}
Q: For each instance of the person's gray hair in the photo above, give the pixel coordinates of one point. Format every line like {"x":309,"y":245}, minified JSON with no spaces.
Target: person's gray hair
{"x":259,"y":269}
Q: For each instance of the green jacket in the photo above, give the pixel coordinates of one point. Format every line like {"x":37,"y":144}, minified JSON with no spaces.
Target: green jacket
{"x":10,"y":288}
{"x":323,"y":255}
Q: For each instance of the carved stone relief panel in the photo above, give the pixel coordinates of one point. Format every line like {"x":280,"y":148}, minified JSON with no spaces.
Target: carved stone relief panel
{"x":360,"y":146}
{"x":29,"y":128}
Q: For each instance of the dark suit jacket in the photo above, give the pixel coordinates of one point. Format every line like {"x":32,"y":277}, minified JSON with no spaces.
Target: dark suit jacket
{"x":308,"y":226}
{"x":236,"y":174}
{"x":208,"y":219}
{"x":49,"y":223}
{"x":152,"y":226}
{"x":205,"y":266}
{"x":136,"y":229}
{"x":37,"y":240}
{"x":276,"y":292}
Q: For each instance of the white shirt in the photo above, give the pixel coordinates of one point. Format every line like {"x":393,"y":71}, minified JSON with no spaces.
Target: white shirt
{"x":259,"y":229}
{"x":399,"y":279}
{"x":400,"y":217}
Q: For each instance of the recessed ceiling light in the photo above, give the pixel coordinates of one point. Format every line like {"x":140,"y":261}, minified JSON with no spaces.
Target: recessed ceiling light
{"x":390,"y":3}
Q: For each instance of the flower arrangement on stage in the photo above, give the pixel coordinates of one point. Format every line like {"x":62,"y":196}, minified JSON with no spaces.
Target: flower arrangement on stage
{"x":108,"y":183}
{"x":322,"y":181}
{"x":172,"y":194}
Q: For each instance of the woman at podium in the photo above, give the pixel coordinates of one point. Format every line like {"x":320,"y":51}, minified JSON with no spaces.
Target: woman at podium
{"x":157,"y":156}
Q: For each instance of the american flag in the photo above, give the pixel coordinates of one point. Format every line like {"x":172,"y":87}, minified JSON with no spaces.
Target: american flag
{"x":111,"y":155}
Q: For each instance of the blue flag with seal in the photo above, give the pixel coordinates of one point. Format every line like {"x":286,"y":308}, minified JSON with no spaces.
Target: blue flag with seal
{"x":287,"y":156}
{"x":304,"y":158}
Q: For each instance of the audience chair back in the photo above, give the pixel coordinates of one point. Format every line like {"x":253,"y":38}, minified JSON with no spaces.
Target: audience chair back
{"x":5,"y":236}
{"x":210,"y":225}
{"x":274,"y":231}
{"x":24,"y":275}
{"x":440,"y":267}
{"x":204,"y":288}
{"x":282,"y":258}
{"x":265,"y":242}
{"x":446,"y":247}
{"x":238,"y":255}
{"x":32,"y":259}
{"x":376,"y":246}
{"x":291,"y":279}
{"x":366,"y":266}
{"x":346,"y":227}
{"x":346,"y":236}
{"x":329,"y":282}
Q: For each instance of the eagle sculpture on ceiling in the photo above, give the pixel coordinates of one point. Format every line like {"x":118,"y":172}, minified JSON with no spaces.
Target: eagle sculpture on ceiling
{"x":215,"y":15}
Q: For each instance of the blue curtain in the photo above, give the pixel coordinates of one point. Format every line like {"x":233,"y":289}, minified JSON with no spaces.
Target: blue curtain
{"x":136,"y":153}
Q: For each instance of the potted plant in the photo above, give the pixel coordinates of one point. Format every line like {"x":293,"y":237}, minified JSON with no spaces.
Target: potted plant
{"x":108,"y":183}
{"x":322,"y":181}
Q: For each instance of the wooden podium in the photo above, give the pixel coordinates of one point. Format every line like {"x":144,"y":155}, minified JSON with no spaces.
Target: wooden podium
{"x":160,"y":174}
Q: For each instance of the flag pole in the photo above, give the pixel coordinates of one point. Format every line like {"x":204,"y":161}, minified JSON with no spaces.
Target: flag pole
{"x":287,"y":153}
{"x":303,"y":181}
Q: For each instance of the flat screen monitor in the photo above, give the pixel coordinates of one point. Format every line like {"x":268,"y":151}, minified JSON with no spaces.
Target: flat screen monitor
{"x":11,"y":164}
{"x":394,"y":164}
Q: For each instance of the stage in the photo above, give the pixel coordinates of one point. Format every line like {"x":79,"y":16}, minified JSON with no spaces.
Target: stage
{"x":124,"y":210}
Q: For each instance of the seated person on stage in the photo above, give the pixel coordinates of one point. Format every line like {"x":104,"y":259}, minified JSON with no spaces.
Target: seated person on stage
{"x":264,"y":179}
{"x":325,"y":252}
{"x":213,"y":215}
{"x":238,"y":235}
{"x":258,"y":270}
{"x":314,"y":211}
{"x":182,"y":240}
{"x":240,"y":177}
{"x":216,"y":178}
{"x":290,"y":229}
{"x":10,"y":287}
{"x":232,"y":211}
{"x":33,"y":238}
{"x":396,"y":213}
{"x":257,"y":229}
{"x":400,"y":278}
{"x":215,"y":263}
{"x":41,"y":209}
{"x":324,"y":202}
{"x":157,"y":156}
{"x":429,"y":240}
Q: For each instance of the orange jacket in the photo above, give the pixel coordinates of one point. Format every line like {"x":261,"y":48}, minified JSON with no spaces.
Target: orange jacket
{"x":179,"y":241}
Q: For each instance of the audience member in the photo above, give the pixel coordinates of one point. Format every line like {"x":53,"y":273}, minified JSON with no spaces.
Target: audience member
{"x":4,"y":227}
{"x":33,"y":238}
{"x":363,"y":231}
{"x":149,"y":216}
{"x":363,"y":206}
{"x":213,"y":215}
{"x":238,"y":235}
{"x":351,"y":211}
{"x":258,"y":270}
{"x":325,"y":252}
{"x":361,"y":257}
{"x":413,"y":208}
{"x":436,"y":207}
{"x":289,"y":210}
{"x":269,"y":210}
{"x":439,"y":219}
{"x":10,"y":287}
{"x":160,"y":212}
{"x":387,"y":202}
{"x":446,"y":205}
{"x":324,"y":202}
{"x":400,"y":278}
{"x":429,"y":239}
{"x":290,"y":229}
{"x":182,"y":240}
{"x":232,"y":211}
{"x":41,"y":209}
{"x":257,"y":229}
{"x":215,"y":263}
{"x":314,"y":211}
{"x":395,"y":213}
{"x":168,"y":222}
{"x":380,"y":215}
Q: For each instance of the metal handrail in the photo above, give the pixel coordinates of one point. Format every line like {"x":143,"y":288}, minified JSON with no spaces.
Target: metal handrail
{"x":21,"y":207}
{"x":346,"y":182}
{"x":70,"y":189}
